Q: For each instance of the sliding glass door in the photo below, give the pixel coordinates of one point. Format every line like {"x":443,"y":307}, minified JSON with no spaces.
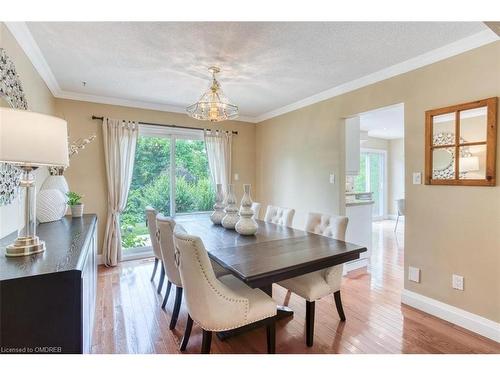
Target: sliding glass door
{"x":372,"y":178}
{"x":171,"y":174}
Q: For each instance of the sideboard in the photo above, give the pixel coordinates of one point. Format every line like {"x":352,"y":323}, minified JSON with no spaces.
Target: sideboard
{"x":47,"y":300}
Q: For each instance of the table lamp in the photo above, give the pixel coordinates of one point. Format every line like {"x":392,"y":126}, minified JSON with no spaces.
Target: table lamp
{"x":29,"y":140}
{"x":469,"y":164}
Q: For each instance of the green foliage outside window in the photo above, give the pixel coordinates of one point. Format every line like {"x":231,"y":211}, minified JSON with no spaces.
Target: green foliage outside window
{"x":150,"y":184}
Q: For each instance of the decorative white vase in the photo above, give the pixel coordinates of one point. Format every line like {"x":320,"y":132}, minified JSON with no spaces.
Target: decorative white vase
{"x":56,"y":182}
{"x":231,"y":217}
{"x":50,"y":205}
{"x":246,"y":226}
{"x":218,"y":213}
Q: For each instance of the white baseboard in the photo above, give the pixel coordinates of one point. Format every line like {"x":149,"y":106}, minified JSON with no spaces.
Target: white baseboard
{"x":472,"y":322}
{"x":100,"y":259}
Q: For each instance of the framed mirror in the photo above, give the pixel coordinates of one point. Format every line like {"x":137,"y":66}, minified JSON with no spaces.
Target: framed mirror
{"x":460,"y":144}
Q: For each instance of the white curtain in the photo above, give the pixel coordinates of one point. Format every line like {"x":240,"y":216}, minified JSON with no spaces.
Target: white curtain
{"x":120,"y":138}
{"x":218,"y":145}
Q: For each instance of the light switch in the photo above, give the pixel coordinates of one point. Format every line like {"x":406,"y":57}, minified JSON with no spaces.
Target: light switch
{"x":414,"y":274}
{"x":236,"y":177}
{"x":417,"y":178}
{"x":332,"y":178}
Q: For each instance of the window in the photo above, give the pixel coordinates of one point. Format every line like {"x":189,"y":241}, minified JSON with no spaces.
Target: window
{"x":171,"y":174}
{"x":371,"y":178}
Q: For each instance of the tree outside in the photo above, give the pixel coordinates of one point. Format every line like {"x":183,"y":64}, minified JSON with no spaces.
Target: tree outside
{"x":151,"y":185}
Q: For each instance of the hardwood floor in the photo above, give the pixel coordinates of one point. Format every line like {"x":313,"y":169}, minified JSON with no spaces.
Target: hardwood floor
{"x":129,"y":318}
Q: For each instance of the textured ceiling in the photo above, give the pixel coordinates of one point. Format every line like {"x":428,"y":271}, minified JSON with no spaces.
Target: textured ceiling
{"x":264,"y":65}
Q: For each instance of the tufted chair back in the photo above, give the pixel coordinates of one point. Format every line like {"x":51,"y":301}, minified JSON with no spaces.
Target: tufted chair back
{"x":327,"y":225}
{"x":166,"y":227}
{"x":256,"y":209}
{"x":331,"y":226}
{"x":151,"y":223}
{"x":210,"y":303}
{"x":279,"y":215}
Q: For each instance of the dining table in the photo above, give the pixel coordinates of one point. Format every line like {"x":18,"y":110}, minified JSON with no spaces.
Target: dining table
{"x":273,"y":254}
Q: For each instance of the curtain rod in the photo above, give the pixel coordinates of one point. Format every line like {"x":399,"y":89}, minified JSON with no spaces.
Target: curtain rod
{"x":170,"y":126}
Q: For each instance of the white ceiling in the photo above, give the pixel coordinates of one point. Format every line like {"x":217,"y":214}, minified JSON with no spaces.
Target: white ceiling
{"x":385,"y":123}
{"x":265,"y":66}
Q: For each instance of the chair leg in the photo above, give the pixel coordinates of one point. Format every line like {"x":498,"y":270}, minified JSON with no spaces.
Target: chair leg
{"x":205,"y":342}
{"x":287,"y":298}
{"x":162,"y":277}
{"x":271,"y":336}
{"x":338,"y":303}
{"x":310,"y":322}
{"x":167,"y":293}
{"x":177,"y":307}
{"x":396,"y":226}
{"x":154,"y":269}
{"x":187,"y":333}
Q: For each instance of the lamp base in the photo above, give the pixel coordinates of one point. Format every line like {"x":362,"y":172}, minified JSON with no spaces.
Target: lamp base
{"x":24,"y":246}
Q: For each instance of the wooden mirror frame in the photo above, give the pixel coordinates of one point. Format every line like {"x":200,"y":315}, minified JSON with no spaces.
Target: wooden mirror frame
{"x":490,"y":142}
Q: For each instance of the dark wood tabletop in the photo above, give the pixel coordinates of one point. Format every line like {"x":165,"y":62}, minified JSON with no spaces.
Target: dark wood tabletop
{"x":275,"y":253}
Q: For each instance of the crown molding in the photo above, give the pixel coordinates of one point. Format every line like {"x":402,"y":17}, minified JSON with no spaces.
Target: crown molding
{"x":21,"y":33}
{"x":30,"y":47}
{"x":463,"y":45}
{"x":129,"y":103}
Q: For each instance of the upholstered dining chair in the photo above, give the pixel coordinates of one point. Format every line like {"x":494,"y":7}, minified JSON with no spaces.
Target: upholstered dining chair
{"x":279,"y":215}
{"x":151,"y":224}
{"x":256,"y":210}
{"x":218,"y":304}
{"x":400,"y":203}
{"x":165,"y":234}
{"x":316,"y":285}
{"x":166,"y":226}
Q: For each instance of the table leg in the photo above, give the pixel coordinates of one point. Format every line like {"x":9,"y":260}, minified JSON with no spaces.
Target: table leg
{"x":282,"y":312}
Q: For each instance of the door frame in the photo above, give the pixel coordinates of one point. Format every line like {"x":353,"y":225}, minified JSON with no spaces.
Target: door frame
{"x":172,"y":134}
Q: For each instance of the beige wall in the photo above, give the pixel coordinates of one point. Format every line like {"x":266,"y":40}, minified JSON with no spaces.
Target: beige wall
{"x":39,"y":99}
{"x":87,"y":172}
{"x":448,"y":229}
{"x":396,"y":174}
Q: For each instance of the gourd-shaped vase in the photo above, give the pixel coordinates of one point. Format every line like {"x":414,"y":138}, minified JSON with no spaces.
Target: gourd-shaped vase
{"x":246,"y":226}
{"x":231,"y":217}
{"x":218,"y":213}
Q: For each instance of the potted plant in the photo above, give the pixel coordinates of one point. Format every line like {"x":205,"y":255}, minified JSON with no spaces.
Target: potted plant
{"x":74,"y":201}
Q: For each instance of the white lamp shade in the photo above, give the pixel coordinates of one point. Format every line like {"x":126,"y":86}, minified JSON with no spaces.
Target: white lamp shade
{"x":469,"y":164}
{"x":32,"y":139}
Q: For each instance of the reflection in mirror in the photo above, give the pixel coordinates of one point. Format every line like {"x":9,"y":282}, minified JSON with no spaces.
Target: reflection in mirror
{"x":441,"y":125}
{"x":473,"y":124}
{"x":443,"y":164}
{"x":472,"y":163}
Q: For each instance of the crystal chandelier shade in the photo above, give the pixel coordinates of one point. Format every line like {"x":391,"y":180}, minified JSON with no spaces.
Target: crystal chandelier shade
{"x":213,"y":105}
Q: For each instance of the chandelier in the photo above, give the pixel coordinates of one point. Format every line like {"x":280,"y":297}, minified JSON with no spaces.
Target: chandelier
{"x":213,"y":105}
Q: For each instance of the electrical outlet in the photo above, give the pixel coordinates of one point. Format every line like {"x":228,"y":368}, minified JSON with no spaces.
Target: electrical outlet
{"x":417,"y":178}
{"x":414,"y":274}
{"x":236,"y":177}
{"x":457,"y":282}
{"x":332,"y":178}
